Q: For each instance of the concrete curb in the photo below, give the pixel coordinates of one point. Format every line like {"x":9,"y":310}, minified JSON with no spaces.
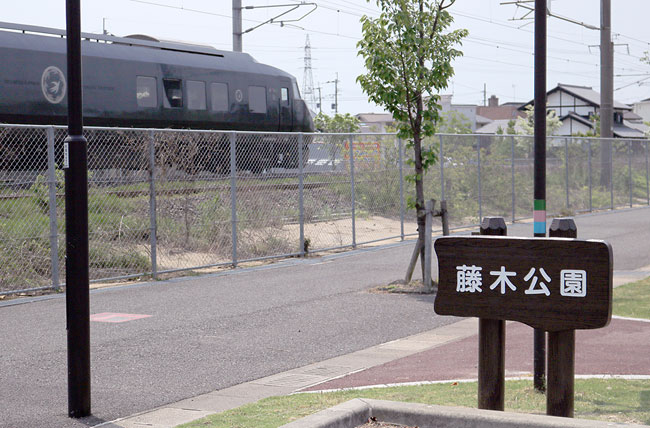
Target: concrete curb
{"x":356,"y":412}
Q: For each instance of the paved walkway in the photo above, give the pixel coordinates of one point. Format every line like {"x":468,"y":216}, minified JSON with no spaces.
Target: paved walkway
{"x":619,"y":349}
{"x":246,"y":334}
{"x":444,"y":353}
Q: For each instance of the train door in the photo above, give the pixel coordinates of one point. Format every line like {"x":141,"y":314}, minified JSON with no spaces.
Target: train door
{"x":285,"y":108}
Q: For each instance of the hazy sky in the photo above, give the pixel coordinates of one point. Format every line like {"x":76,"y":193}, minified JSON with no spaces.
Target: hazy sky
{"x":498,"y":51}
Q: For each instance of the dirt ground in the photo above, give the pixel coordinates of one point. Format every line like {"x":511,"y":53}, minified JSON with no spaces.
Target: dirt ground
{"x":325,"y":234}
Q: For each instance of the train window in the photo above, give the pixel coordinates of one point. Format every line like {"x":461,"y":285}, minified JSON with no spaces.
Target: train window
{"x":257,"y":99}
{"x":284,"y":93}
{"x":219,"y":95}
{"x":195,"y":95}
{"x":296,"y":91}
{"x":173,"y":93}
{"x":146,"y":91}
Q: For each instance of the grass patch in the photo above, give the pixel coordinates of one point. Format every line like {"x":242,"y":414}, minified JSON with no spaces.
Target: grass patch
{"x":613,"y":400}
{"x":633,"y":300}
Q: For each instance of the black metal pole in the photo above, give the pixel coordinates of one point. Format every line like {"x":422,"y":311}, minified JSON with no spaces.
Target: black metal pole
{"x":76,"y":227}
{"x":539,"y":213}
{"x":492,"y":342}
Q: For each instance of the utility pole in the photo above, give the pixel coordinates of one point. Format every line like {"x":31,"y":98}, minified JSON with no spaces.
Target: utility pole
{"x":484,"y":94}
{"x":320,"y":101}
{"x":539,"y":203}
{"x":541,"y":8}
{"x":606,"y":91}
{"x":335,"y":106}
{"x":236,"y":26}
{"x":237,"y":29}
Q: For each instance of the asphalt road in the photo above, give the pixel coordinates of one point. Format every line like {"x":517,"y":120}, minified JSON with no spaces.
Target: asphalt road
{"x":210,"y":332}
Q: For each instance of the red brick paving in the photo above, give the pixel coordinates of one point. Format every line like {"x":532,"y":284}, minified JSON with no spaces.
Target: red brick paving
{"x":622,"y":348}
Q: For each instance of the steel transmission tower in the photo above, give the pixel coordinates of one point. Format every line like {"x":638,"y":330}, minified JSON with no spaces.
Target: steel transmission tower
{"x":308,"y":79}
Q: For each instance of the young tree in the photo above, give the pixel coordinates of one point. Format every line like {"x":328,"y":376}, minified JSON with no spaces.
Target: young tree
{"x":337,"y":124}
{"x":526,"y":125}
{"x":408,"y":52}
{"x":453,"y":122}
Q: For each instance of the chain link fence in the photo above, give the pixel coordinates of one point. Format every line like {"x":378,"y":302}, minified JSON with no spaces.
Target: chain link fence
{"x":171,"y":200}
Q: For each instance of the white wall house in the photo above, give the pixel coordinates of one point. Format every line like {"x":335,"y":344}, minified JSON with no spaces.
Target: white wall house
{"x":575,"y":105}
{"x":642,"y":108}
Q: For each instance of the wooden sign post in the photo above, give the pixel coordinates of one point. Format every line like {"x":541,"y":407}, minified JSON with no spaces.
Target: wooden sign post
{"x":492,"y":342}
{"x":561,"y":347}
{"x":553,"y":284}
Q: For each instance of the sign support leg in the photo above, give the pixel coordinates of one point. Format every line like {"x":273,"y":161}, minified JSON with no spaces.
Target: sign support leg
{"x":561,"y":367}
{"x":561,"y":346}
{"x":491,"y":364}
{"x":492,"y":342}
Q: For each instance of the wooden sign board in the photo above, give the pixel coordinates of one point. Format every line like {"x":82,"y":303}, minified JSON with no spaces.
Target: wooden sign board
{"x":552,"y":284}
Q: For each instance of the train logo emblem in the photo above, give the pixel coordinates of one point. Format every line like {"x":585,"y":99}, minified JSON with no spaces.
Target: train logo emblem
{"x":53,"y":84}
{"x":238,"y":95}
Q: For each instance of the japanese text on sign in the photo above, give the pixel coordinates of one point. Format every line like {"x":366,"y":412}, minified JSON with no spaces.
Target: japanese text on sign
{"x":573,"y":282}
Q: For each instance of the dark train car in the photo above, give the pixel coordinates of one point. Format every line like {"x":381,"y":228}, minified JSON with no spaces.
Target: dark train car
{"x":139,"y":82}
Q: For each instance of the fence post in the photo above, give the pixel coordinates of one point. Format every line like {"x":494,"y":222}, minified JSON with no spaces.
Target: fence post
{"x":401,"y":186}
{"x":153,"y":225}
{"x":491,"y":342}
{"x":566,"y":170}
{"x":441,"y":159}
{"x":647,"y":180}
{"x":480,"y":198}
{"x":301,"y":185}
{"x":589,"y":171}
{"x":513,"y":178}
{"x":51,"y":184}
{"x":354,"y":230}
{"x":611,"y":174}
{"x":561,"y":347}
{"x":233,"y":194}
{"x":429,"y":207}
{"x":444,"y":215}
{"x":629,"y":167}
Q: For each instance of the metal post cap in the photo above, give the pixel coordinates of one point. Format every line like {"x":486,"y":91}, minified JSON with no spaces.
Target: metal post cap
{"x":494,"y":226}
{"x":563,"y":227}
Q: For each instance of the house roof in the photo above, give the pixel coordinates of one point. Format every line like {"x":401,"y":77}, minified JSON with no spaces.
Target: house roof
{"x":577,"y":118}
{"x":630,"y":115}
{"x":585,"y":93}
{"x":482,"y":120}
{"x":623,"y":131}
{"x":638,"y":125}
{"x":493,"y":127}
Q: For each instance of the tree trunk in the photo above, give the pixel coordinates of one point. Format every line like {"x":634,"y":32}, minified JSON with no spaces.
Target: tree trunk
{"x":419,"y":199}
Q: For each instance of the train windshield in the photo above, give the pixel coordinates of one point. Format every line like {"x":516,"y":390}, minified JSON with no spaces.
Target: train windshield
{"x":296,"y":91}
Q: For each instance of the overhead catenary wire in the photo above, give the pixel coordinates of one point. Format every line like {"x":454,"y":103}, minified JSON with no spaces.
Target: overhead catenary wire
{"x":625,"y":63}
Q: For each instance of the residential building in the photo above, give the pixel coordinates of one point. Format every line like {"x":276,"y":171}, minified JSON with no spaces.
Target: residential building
{"x":494,"y":111}
{"x":642,"y":108}
{"x":374,"y":122}
{"x":576,"y":105}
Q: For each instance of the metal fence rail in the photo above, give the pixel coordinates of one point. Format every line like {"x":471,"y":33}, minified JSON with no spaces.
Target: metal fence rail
{"x":171,"y":200}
